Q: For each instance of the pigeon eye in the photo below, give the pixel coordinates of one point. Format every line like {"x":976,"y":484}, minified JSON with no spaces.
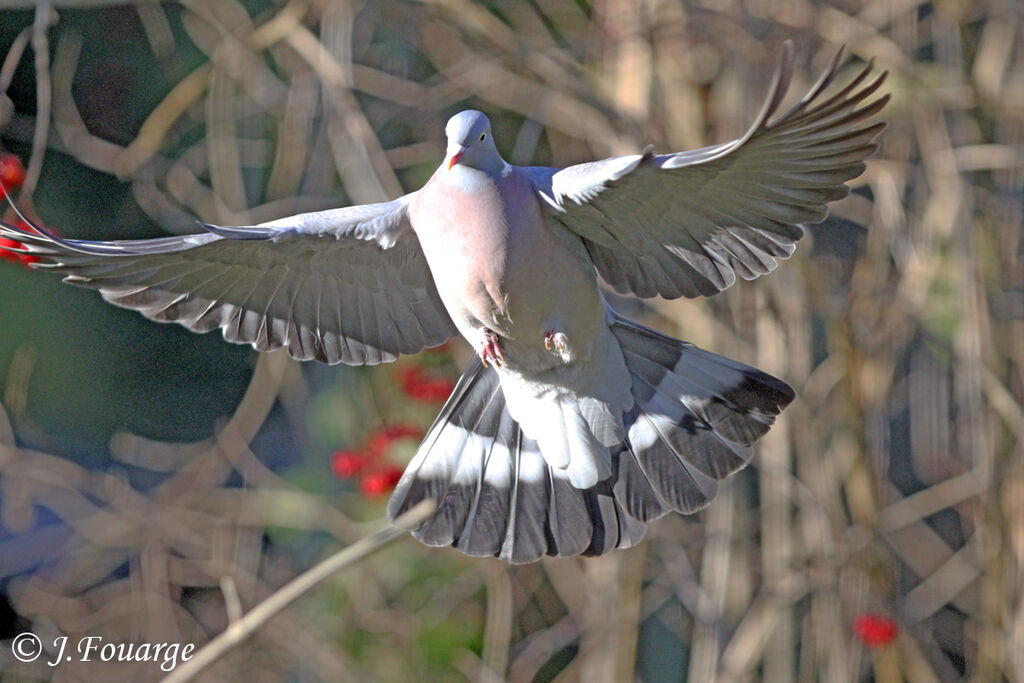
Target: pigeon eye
{"x":483,"y":136}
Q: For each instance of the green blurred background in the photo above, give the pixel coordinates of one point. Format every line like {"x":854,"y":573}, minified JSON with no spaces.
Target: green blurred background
{"x":141,"y":464}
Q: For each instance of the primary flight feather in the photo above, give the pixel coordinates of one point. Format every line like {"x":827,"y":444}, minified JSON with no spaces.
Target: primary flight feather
{"x":575,"y":426}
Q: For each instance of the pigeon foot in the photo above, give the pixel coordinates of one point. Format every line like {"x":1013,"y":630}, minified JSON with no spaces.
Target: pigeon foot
{"x":556,"y":341}
{"x":491,"y":349}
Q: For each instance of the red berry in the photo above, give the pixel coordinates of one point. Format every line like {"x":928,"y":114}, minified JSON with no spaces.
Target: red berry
{"x":15,"y":257}
{"x":19,"y":223}
{"x":437,"y":390}
{"x":381,"y":440}
{"x":23,"y":258}
{"x":12,"y":173}
{"x":10,"y":244}
{"x":403,"y":431}
{"x":348,"y":463}
{"x":416,"y":384}
{"x":379,"y":482}
{"x":410,"y":376}
{"x":875,"y":630}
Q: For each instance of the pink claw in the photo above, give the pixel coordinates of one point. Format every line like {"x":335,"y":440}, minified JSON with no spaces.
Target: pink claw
{"x":491,"y":349}
{"x":558,"y":340}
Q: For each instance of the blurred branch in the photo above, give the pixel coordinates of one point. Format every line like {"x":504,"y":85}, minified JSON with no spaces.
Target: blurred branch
{"x":498,"y":629}
{"x":191,"y":88}
{"x":44,"y":93}
{"x":916,"y":507}
{"x":362,"y":187}
{"x":14,"y":53}
{"x":91,"y":150}
{"x":244,"y":627}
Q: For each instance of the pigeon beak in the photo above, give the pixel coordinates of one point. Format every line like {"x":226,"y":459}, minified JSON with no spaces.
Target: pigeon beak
{"x":456,"y":153}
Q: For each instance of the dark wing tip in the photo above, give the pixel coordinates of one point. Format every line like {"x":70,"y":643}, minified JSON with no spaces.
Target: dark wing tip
{"x":779,"y":87}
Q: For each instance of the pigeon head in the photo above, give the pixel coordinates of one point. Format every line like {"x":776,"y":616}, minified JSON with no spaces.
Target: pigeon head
{"x":470,"y":143}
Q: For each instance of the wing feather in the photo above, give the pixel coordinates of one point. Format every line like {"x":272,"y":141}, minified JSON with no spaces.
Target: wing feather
{"x":347,"y":285}
{"x":687,"y":224}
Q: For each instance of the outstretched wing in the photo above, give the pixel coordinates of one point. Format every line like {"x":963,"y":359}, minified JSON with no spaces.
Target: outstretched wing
{"x":346,"y":285}
{"x":685,"y":224}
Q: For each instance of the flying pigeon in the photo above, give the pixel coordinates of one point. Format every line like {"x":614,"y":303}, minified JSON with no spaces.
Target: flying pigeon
{"x":573,"y":426}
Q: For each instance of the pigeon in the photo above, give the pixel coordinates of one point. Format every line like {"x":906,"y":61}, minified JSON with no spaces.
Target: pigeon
{"x":573,"y":426}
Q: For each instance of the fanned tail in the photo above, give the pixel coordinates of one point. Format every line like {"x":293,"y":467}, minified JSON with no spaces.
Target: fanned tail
{"x":694,"y":417}
{"x":496,"y":494}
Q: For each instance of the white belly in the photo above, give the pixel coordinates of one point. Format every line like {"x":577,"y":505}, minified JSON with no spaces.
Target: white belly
{"x":503,"y":269}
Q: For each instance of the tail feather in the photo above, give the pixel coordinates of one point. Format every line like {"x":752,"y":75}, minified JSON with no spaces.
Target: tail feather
{"x":697,"y":415}
{"x":440,"y":468}
{"x":571,"y":525}
{"x":746,"y":400}
{"x":468,"y":476}
{"x":694,"y":417}
{"x":496,"y":494}
{"x":676,"y":481}
{"x":633,"y":487}
{"x":525,"y":535}
{"x":618,"y":529}
{"x":686,"y":431}
{"x":486,"y":522}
